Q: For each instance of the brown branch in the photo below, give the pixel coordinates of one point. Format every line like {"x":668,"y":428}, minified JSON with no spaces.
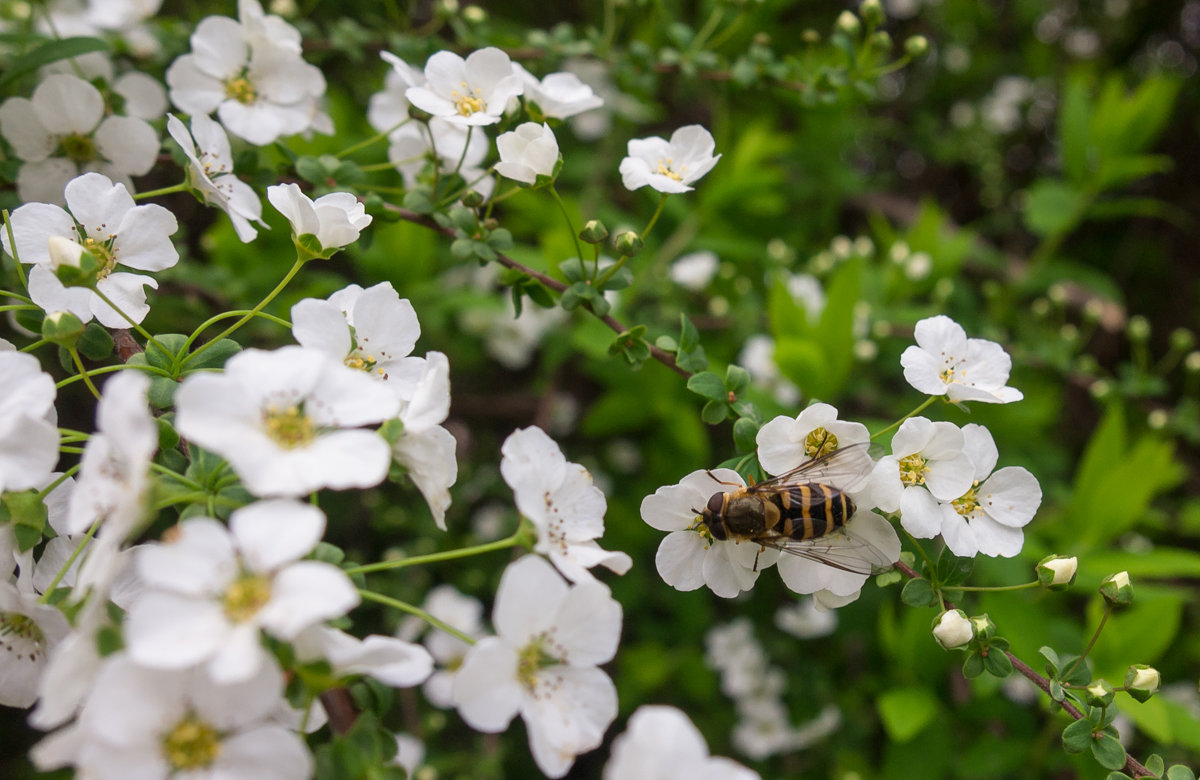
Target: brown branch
{"x":666,"y":358}
{"x":1133,"y":767}
{"x":339,"y":706}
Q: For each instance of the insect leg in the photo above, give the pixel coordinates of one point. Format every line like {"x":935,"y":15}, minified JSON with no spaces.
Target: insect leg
{"x":720,"y":481}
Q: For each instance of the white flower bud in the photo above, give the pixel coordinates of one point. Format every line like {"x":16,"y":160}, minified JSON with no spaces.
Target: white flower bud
{"x":64,"y":253}
{"x":953,"y":629}
{"x":1142,"y":681}
{"x":1057,"y":570}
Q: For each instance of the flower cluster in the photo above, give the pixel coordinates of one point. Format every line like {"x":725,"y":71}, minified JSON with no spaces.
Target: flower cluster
{"x":763,"y":727}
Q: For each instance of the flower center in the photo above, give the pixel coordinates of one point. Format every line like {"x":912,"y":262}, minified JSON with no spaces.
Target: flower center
{"x":18,"y":632}
{"x":819,"y":442}
{"x":78,"y":147}
{"x":191,"y":744}
{"x":531,"y":658}
{"x":246,"y":596}
{"x":465,"y":102}
{"x":664,"y":169}
{"x":241,"y":90}
{"x":363,"y":362}
{"x":103,"y":252}
{"x":913,"y":469}
{"x":290,"y":427}
{"x":968,"y":503}
{"x":952,"y":369}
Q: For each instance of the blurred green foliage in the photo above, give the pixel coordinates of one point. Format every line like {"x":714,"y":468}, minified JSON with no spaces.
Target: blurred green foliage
{"x":1034,"y":177}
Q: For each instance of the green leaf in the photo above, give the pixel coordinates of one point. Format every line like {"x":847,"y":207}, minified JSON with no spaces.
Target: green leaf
{"x":708,"y":385}
{"x":905,"y":712}
{"x":952,"y":570}
{"x":997,"y":663}
{"x":736,"y":378}
{"x":1074,"y":122}
{"x":500,"y":239}
{"x":714,"y":412}
{"x":973,"y":665}
{"x":1180,"y":772}
{"x":918,"y":593}
{"x":161,"y":352}
{"x":666,"y":343}
{"x":27,"y":514}
{"x":462,"y":248}
{"x":1057,"y":692}
{"x":96,"y":343}
{"x":1078,"y":736}
{"x":311,"y":169}
{"x":161,"y":394}
{"x":1155,"y":764}
{"x":48,"y":53}
{"x":689,"y":337}
{"x":1118,"y":776}
{"x":1052,"y":664}
{"x":214,"y":354}
{"x":1108,"y":751}
{"x":418,"y":201}
{"x":744,"y":432}
{"x":1053,"y":207}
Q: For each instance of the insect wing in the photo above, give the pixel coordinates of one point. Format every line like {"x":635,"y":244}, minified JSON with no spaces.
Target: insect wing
{"x":846,"y":469}
{"x":841,"y":551}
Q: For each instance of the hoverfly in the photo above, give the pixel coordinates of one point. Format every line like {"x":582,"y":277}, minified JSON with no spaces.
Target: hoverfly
{"x":798,"y":511}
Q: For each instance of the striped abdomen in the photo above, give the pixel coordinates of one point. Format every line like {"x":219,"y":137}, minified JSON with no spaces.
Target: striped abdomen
{"x":812,"y":510}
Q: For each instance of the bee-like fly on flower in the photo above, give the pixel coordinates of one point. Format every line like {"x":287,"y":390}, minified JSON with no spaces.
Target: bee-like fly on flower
{"x":799,"y":511}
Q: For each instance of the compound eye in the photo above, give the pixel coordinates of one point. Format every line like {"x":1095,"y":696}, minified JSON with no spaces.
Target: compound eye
{"x":716,"y":503}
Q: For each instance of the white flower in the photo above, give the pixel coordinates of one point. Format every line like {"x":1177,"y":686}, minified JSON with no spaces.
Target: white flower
{"x":474,"y":91}
{"x":28,"y":632}
{"x":211,"y":589}
{"x":154,"y":725}
{"x":388,"y":108}
{"x":758,"y":357}
{"x":558,"y":497}
{"x":946,"y":362}
{"x":373,"y":330}
{"x":103,"y":219}
{"x":660,"y":743}
{"x":211,"y":173}
{"x":286,"y":420}
{"x":953,"y":629}
{"x":70,"y":18}
{"x":335,"y":219}
{"x":543,"y":664}
{"x":463,"y":613}
{"x":113,"y":474}
{"x":785,"y":443}
{"x":528,"y":152}
{"x":63,"y":131}
{"x":392,"y":661}
{"x":425,"y":448}
{"x":251,"y":74}
{"x":689,"y":557}
{"x":694,"y":271}
{"x":804,"y":619}
{"x":669,"y":166}
{"x":413,"y":145}
{"x":925,"y":456}
{"x":558,"y":95}
{"x":988,"y":517}
{"x":28,"y":440}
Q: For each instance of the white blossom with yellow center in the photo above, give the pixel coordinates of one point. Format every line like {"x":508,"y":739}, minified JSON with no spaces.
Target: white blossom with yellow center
{"x":669,"y":166}
{"x":472,"y":92}
{"x":945,"y":362}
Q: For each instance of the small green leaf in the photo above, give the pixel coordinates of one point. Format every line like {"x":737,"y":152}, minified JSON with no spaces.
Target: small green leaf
{"x":1108,"y":752}
{"x":714,"y":412}
{"x":161,"y":352}
{"x":96,"y":343}
{"x":905,"y":712}
{"x":972,"y":666}
{"x":483,"y":251}
{"x":744,"y":432}
{"x":997,"y":664}
{"x":1057,"y":692}
{"x":708,"y":385}
{"x":918,"y":593}
{"x":736,"y":379}
{"x":572,"y":269}
{"x":666,"y":343}
{"x":1053,"y":207}
{"x":215,"y":354}
{"x":1118,"y":776}
{"x":1155,"y":764}
{"x":689,"y":337}
{"x":1052,"y":665}
{"x":418,"y":201}
{"x":952,"y":570}
{"x":500,"y":239}
{"x":1077,"y":737}
{"x":27,"y":514}
{"x":311,"y":169}
{"x":1180,"y":772}
{"x":462,"y":248}
{"x":48,"y":53}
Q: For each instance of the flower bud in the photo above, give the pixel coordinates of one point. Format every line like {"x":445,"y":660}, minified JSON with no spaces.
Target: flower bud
{"x":628,"y":244}
{"x":472,"y":199}
{"x":62,"y":328}
{"x":1191,"y":363}
{"x":1182,"y":339}
{"x":1057,"y":571}
{"x":880,"y":40}
{"x":848,"y":23}
{"x":593,"y":232}
{"x":1138,"y":328}
{"x":474,"y":14}
{"x":983,"y":627}
{"x":871,"y":12}
{"x":916,"y":46}
{"x":810,"y":37}
{"x":952,"y":629}
{"x":72,"y":264}
{"x":1117,"y":590}
{"x":1099,"y":694}
{"x":1142,"y":681}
